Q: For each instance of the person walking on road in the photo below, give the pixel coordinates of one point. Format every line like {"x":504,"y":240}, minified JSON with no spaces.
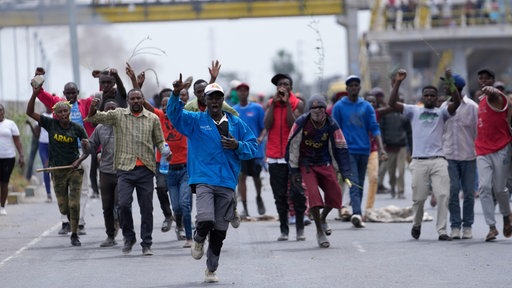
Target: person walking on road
{"x":64,"y":136}
{"x":428,"y":163}
{"x":282,"y":110}
{"x":356,"y":118}
{"x":226,"y":140}
{"x":252,"y":114}
{"x":315,"y":140}
{"x":10,"y":142}
{"x":459,"y":149}
{"x":135,"y":163}
{"x":493,"y":153}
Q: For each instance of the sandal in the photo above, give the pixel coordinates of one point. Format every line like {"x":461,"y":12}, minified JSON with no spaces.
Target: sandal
{"x":322,"y":240}
{"x":327,"y":230}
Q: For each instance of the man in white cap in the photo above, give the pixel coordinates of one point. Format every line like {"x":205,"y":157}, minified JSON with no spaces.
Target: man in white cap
{"x":213,"y":178}
{"x":358,"y":122}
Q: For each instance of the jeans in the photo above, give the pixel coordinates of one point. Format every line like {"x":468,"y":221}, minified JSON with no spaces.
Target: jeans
{"x":44,"y":154}
{"x":358,"y":164}
{"x":181,"y":198}
{"x":462,"y":175}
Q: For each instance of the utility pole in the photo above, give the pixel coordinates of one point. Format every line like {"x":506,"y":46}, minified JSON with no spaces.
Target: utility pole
{"x":73,"y":39}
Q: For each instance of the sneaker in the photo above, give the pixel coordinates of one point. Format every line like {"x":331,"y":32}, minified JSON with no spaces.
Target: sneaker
{"x":2,"y":211}
{"x":415,"y":232}
{"x":81,"y":230}
{"x":66,"y":228}
{"x":244,"y":214}
{"x":455,"y":233}
{"x":282,"y":237}
{"x":344,"y":214}
{"x":327,"y":230}
{"x":75,"y":240}
{"x":109,"y":242}
{"x":466,"y":233}
{"x":507,"y":227}
{"x":307,"y":221}
{"x":49,"y":199}
{"x":210,"y":277}
{"x":180,"y":234}
{"x":146,"y":251}
{"x":261,"y":205}
{"x":188,"y":244}
{"x":166,"y":225}
{"x":444,"y":237}
{"x":197,"y":250}
{"x":95,"y":195}
{"x":235,"y":222}
{"x":291,"y":219}
{"x":357,"y":221}
{"x":128,"y":244}
{"x":322,"y":240}
{"x":300,"y":235}
{"x":492,"y":234}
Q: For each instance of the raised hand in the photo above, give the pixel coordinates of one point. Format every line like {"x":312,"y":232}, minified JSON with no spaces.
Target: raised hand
{"x":214,"y":70}
{"x":401,"y":75}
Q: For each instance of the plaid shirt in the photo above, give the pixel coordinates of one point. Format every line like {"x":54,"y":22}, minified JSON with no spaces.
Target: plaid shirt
{"x":136,"y":136}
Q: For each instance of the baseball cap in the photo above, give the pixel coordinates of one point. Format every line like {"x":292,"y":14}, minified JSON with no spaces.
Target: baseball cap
{"x":486,"y":70}
{"x":498,"y":84}
{"x":242,"y":84}
{"x":457,"y":80}
{"x":280,"y":76}
{"x":352,"y":78}
{"x":212,"y":88}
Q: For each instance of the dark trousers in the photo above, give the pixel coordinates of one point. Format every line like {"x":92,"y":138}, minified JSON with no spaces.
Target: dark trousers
{"x":108,"y":185}
{"x":162,"y":193}
{"x":279,"y":183}
{"x":93,"y":173}
{"x":140,"y":178}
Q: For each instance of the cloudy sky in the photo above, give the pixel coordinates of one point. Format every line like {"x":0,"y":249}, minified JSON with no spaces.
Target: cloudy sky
{"x":244,"y":46}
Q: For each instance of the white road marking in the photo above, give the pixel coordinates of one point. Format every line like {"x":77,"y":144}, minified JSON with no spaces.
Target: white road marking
{"x":358,"y":246}
{"x":30,"y":244}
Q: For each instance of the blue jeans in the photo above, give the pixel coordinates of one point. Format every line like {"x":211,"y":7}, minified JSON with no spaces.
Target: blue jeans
{"x":358,"y":164}
{"x":44,"y":153}
{"x":181,"y":197}
{"x":462,"y":175}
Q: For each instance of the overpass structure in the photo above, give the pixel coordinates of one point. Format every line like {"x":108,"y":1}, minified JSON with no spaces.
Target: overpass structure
{"x":15,"y":13}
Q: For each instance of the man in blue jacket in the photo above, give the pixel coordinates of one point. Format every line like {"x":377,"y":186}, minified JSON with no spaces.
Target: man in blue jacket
{"x":217,"y":141}
{"x":357,"y":120}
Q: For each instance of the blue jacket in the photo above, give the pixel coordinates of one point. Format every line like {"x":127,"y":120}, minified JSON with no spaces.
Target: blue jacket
{"x":357,"y":120}
{"x":207,"y":161}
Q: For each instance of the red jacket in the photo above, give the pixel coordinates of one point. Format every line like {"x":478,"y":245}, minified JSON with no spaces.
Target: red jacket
{"x":50,"y":100}
{"x":279,"y":132}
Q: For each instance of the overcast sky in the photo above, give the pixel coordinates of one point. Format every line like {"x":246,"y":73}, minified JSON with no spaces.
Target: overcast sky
{"x":244,"y":46}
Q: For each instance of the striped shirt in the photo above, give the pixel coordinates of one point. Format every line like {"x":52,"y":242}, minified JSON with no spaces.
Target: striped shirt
{"x":460,"y":132}
{"x":136,"y":136}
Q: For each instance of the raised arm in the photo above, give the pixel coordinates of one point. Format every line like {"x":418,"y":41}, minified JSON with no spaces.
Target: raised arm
{"x":454,"y":92}
{"x":393,"y":98}
{"x":214,"y":71}
{"x":119,"y":83}
{"x":31,"y":103}
{"x":131,"y":75}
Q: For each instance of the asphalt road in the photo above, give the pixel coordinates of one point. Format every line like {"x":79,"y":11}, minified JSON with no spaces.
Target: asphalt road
{"x":380,"y":255}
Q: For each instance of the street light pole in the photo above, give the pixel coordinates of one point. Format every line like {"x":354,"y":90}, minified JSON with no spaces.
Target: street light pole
{"x":73,"y":39}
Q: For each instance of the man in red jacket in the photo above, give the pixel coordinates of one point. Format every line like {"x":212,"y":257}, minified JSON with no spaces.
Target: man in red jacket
{"x":282,"y":110}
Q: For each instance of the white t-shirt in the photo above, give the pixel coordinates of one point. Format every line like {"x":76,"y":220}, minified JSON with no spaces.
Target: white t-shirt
{"x":427,"y":129}
{"x":43,"y":135}
{"x":8,"y":129}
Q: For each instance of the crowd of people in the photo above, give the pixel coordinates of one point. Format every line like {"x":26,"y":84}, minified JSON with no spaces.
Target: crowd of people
{"x":318,"y":156}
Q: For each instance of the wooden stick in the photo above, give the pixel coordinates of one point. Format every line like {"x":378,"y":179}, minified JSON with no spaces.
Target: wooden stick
{"x":53,"y":168}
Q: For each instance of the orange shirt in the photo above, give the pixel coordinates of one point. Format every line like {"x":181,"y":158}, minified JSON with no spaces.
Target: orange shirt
{"x":177,"y":142}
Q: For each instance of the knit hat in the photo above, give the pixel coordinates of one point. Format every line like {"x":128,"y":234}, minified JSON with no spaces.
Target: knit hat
{"x":317,"y":101}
